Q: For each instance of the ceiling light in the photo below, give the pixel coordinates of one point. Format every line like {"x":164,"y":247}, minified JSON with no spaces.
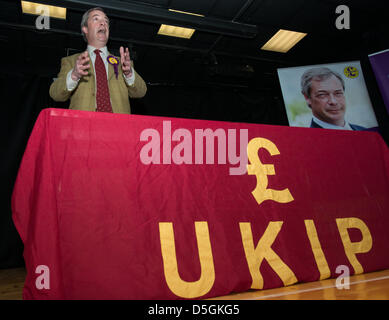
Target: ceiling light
{"x":180,"y":32}
{"x":190,"y":13}
{"x":173,"y":31}
{"x":283,"y":41}
{"x":36,"y":9}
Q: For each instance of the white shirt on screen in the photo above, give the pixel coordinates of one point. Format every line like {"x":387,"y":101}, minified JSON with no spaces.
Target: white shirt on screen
{"x":327,"y":125}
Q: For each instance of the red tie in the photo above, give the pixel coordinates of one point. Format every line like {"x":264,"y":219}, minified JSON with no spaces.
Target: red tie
{"x":103,"y":101}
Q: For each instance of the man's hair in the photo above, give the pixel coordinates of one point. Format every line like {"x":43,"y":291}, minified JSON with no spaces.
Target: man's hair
{"x":84,"y":20}
{"x":319,"y":74}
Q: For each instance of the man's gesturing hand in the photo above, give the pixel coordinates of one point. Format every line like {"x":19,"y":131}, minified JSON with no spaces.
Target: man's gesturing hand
{"x":81,"y":67}
{"x":126,"y":62}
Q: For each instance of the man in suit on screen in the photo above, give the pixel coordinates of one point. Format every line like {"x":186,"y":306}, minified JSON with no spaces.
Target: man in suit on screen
{"x":95,"y":80}
{"x":323,"y":90}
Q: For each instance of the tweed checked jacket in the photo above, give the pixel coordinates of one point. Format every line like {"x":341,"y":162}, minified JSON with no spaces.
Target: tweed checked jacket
{"x":83,"y":97}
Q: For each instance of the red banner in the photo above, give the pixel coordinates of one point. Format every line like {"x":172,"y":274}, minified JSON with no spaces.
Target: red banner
{"x":114,"y":206}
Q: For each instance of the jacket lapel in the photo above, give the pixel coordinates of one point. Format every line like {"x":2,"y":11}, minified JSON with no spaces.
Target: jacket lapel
{"x":111,"y":71}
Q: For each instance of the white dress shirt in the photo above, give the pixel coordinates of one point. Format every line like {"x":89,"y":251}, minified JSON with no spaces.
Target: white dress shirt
{"x":327,"y":125}
{"x":71,"y":84}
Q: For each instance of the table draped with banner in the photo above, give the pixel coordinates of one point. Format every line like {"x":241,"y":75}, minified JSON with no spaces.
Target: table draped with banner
{"x":113,"y":206}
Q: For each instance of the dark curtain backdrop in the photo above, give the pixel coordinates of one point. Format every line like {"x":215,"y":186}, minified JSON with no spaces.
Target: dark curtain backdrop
{"x":22,"y":99}
{"x":211,"y":103}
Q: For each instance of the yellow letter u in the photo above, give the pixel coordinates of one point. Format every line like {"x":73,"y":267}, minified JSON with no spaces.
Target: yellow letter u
{"x":178,"y":286}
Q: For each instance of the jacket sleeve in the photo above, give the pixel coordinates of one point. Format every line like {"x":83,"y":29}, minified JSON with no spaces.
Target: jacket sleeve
{"x":138,"y":89}
{"x":58,"y":89}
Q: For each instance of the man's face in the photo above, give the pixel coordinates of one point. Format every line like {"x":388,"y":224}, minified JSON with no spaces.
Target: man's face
{"x":97,"y":32}
{"x":327,"y":100}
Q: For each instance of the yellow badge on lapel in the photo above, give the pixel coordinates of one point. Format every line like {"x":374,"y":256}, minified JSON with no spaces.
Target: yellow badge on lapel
{"x":114,"y":62}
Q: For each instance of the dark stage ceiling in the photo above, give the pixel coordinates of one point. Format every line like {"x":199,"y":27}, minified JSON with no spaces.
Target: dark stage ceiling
{"x":227,"y":39}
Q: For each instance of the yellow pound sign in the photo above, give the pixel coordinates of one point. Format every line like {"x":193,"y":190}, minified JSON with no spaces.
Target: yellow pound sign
{"x":257,"y":168}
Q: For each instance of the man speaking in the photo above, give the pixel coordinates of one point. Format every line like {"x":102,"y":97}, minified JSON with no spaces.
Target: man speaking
{"x":95,"y":80}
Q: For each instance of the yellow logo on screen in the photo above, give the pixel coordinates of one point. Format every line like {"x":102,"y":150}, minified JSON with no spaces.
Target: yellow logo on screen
{"x":351,"y":72}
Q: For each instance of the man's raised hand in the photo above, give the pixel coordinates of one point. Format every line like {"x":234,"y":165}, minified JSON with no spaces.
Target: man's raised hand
{"x":125,"y":62}
{"x":81,"y":67}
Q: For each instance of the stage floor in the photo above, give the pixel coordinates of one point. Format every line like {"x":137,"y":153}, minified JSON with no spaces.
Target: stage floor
{"x":369,"y":286}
